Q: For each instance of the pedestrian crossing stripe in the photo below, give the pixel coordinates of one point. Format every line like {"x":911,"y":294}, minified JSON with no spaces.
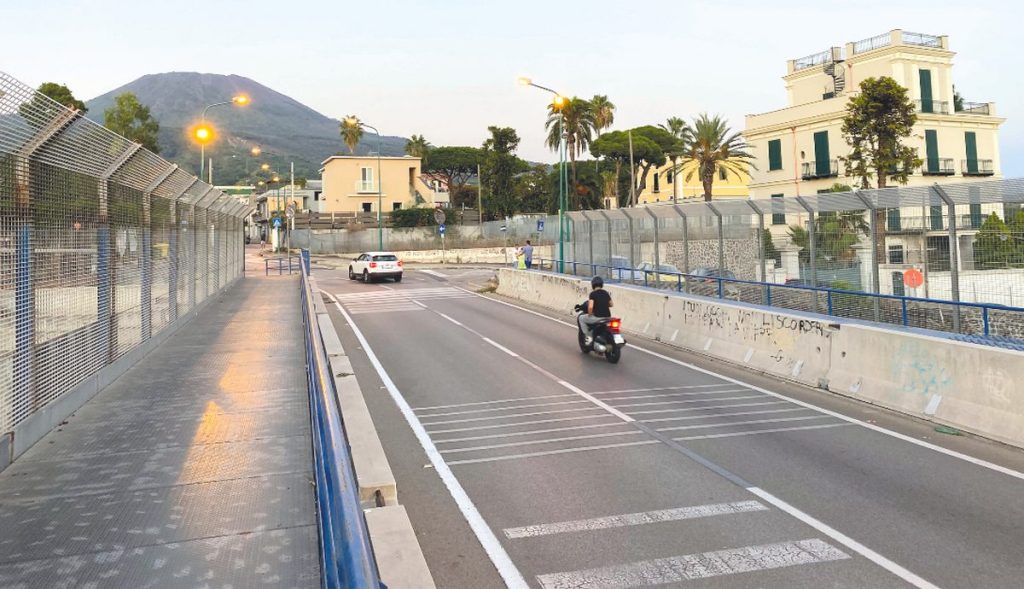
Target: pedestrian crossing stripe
{"x":391,"y":301}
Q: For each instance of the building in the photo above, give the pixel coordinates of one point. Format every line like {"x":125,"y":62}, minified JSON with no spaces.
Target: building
{"x":350,"y":184}
{"x":665,"y":185}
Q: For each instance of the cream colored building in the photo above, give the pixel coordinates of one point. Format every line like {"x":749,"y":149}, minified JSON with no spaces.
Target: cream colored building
{"x":666,"y":185}
{"x":350,"y":184}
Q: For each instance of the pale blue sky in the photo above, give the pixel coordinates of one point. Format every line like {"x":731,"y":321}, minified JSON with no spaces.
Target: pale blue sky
{"x":447,"y":68}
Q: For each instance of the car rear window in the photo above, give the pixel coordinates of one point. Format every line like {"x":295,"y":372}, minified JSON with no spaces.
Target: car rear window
{"x":386,"y":258}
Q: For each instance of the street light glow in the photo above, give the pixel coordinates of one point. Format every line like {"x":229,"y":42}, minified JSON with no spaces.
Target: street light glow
{"x":351,"y":122}
{"x":276,"y":178}
{"x":524,"y":81}
{"x":256,"y":151}
{"x":558,"y":101}
{"x":265,"y":167}
{"x":241,"y":100}
{"x":203,"y":134}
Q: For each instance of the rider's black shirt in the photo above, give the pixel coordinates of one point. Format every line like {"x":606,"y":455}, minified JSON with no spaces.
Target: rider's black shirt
{"x":602,"y":303}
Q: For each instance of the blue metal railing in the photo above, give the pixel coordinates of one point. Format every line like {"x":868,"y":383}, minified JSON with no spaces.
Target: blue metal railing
{"x":281,"y":263}
{"x":346,"y":554}
{"x":980,"y":319}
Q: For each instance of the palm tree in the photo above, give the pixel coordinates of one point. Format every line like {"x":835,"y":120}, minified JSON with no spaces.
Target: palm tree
{"x":604,"y":112}
{"x":351,"y":133}
{"x":578,"y":124}
{"x":712,"y":146}
{"x":417,"y":146}
{"x":681,"y":131}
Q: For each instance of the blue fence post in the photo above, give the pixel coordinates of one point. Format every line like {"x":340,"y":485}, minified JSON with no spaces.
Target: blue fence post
{"x":721,"y":290}
{"x":828,"y":301}
{"x":769,"y":289}
{"x":679,"y":283}
{"x":305,"y":260}
{"x":24,"y":317}
{"x":984,"y":319}
{"x":903,"y":300}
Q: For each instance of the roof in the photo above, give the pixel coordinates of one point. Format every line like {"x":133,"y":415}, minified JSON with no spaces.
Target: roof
{"x":369,"y":157}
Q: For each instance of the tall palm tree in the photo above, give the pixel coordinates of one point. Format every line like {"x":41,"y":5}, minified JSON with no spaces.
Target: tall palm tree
{"x":712,"y":146}
{"x":417,"y":146}
{"x":604,"y":112}
{"x":681,"y":131}
{"x":351,"y":133}
{"x":578,"y":124}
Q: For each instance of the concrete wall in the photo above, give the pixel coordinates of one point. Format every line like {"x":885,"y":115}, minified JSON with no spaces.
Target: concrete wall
{"x":972,"y":387}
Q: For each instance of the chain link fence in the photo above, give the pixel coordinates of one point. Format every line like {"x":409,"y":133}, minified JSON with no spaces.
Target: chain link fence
{"x":103,"y":245}
{"x":946,"y":257}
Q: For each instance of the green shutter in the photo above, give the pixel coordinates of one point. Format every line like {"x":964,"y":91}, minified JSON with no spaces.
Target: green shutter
{"x":775,"y":154}
{"x":892,"y":221}
{"x":972,"y":152}
{"x":936,"y":218}
{"x":926,"y":90}
{"x":778,"y":218}
{"x":975,"y":216}
{"x":931,"y":143}
{"x":821,"y":160}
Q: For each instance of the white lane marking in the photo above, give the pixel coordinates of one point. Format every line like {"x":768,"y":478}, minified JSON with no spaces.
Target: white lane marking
{"x":676,"y":569}
{"x":419,"y":304}
{"x":716,"y":415}
{"x":712,"y":414}
{"x":597,"y":402}
{"x":678,"y":401}
{"x":635,"y":519}
{"x":669,"y":395}
{"x":761,"y":431}
{"x":547,"y":441}
{"x":492,"y":409}
{"x":692,"y":386}
{"x":534,"y":422}
{"x":748,"y":422}
{"x":432,"y":273}
{"x":649,"y":411}
{"x":843,"y":539}
{"x":502,"y":562}
{"x":552,"y":452}
{"x":475,"y":403}
{"x":527,"y":433}
{"x":530,"y":414}
{"x":385,"y":287}
{"x":449,"y":318}
{"x":501,"y":347}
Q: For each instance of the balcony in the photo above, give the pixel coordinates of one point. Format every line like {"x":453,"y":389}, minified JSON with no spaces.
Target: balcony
{"x":939,"y":167}
{"x":822,"y":169}
{"x":977,"y":168}
{"x":937,"y":221}
{"x":922,"y":40}
{"x":812,"y":60}
{"x":366,"y":187}
{"x":939,"y":107}
{"x":974,"y":108}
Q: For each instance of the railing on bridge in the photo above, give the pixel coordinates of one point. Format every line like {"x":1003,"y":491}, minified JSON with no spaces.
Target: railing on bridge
{"x":346,"y":555}
{"x":282,"y":264}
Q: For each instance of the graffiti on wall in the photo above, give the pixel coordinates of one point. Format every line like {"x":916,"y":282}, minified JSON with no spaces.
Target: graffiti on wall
{"x":917,"y":370}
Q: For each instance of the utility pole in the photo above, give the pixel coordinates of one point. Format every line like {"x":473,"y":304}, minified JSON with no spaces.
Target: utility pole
{"x":632,"y":171}
{"x":479,"y":196}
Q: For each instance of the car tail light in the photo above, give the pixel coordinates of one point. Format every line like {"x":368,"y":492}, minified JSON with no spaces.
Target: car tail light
{"x":399,"y":263}
{"x":373,"y":264}
{"x":615,"y":325}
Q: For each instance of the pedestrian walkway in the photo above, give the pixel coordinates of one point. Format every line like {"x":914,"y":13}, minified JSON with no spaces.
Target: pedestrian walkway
{"x":192,"y":469}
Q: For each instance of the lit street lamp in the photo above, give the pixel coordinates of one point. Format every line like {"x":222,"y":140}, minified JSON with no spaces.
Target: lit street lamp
{"x":204,"y":134}
{"x":354,"y":122}
{"x":558,"y":102}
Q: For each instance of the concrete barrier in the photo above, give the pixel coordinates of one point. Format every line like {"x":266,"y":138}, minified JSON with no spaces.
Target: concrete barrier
{"x":968,"y":386}
{"x":399,"y":558}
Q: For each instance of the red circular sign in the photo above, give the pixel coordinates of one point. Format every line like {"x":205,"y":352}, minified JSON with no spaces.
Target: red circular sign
{"x":913,"y":278}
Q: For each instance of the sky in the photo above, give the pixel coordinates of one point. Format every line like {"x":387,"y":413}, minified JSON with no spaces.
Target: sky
{"x":447,"y":69}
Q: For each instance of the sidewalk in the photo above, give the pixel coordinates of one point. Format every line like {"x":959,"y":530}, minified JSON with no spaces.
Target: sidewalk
{"x":192,"y":469}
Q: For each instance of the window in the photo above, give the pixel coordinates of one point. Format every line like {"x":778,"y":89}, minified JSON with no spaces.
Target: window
{"x":366,"y":175}
{"x":896,"y":254}
{"x":926,"y":90}
{"x":892,"y":220}
{"x":774,"y":155}
{"x":670,"y":177}
{"x":897,"y":284}
{"x":971,"y":142}
{"x":395,"y":206}
{"x":723,"y":174}
{"x":931,"y":147}
{"x":367,"y":207}
{"x":657,"y":185}
{"x":975,"y":216}
{"x":778,"y":218}
{"x":822,"y":169}
{"x":935,"y":214}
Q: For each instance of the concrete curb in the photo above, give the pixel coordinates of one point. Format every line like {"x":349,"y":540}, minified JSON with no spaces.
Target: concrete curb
{"x":399,"y":558}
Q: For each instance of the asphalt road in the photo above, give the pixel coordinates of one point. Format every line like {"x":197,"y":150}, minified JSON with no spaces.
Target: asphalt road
{"x":539,"y":466}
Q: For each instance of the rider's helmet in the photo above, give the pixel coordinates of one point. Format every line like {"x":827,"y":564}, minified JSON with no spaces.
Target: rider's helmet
{"x":597,"y":282}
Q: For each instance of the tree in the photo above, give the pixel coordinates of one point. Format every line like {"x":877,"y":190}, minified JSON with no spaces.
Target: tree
{"x":678,"y":128}
{"x":62,"y":94}
{"x":604,"y":113}
{"x":534,"y":190}
{"x":877,"y":122}
{"x":958,"y":100}
{"x":501,"y":165}
{"x":39,"y":111}
{"x":452,"y":166}
{"x":835,"y":234}
{"x":709,"y":146}
{"x":574,"y":117}
{"x":650,"y":144}
{"x":997,"y":246}
{"x":417,"y":146}
{"x":351,"y":133}
{"x":131,"y":118}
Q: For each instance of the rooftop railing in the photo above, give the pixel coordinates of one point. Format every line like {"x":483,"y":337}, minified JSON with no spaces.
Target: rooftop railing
{"x":873,"y":43}
{"x":921,"y":40}
{"x":812,"y":60}
{"x":974,"y":108}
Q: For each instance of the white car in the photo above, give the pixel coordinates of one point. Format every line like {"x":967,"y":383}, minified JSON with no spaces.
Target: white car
{"x":375,"y":266}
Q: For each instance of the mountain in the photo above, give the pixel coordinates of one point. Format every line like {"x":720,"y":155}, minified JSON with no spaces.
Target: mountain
{"x":285,"y":129}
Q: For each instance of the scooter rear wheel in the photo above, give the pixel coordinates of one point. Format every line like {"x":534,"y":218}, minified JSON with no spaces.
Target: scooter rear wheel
{"x":613,"y":354}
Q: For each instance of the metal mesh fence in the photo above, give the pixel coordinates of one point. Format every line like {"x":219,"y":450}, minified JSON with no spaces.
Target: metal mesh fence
{"x":97,"y":248}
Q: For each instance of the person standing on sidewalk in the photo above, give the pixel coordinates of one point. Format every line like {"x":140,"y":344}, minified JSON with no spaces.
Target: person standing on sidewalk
{"x":528,"y":254}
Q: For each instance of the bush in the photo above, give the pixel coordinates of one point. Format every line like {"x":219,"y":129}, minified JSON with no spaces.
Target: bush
{"x":420,"y":217}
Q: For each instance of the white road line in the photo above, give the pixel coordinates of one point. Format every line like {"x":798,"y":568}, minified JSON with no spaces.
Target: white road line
{"x":534,"y":422}
{"x":379,"y":311}
{"x":501,"y":347}
{"x":649,"y":411}
{"x":552,"y":452}
{"x":678,"y":401}
{"x":717,"y":415}
{"x":760,"y":431}
{"x":635,"y":519}
{"x":597,"y":402}
{"x":843,"y":539}
{"x":669,"y":395}
{"x":748,"y":422}
{"x":527,"y":433}
{"x":491,"y":409}
{"x":419,"y":304}
{"x":548,"y":441}
{"x":432,"y":273}
{"x":692,"y":386}
{"x":449,"y":319}
{"x":676,"y":569}
{"x":531,"y":414}
{"x":453,"y":406}
{"x":712,"y":414}
{"x":502,"y":562}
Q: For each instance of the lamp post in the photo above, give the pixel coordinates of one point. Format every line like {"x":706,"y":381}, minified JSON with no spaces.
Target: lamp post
{"x":558,"y":102}
{"x":354,"y":122}
{"x":204,"y":134}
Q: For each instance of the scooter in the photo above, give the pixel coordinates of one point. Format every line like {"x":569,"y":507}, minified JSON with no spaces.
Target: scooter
{"x":607,"y":340}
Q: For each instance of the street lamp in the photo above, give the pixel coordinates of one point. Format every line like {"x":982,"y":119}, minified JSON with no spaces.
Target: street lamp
{"x":558,"y":103}
{"x":240,"y":100}
{"x":354,"y":122}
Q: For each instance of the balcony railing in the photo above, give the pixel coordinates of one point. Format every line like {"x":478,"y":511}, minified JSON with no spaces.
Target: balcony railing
{"x":812,"y":60}
{"x":939,"y":167}
{"x":921,"y":40}
{"x":917,"y":223}
{"x":974,"y":108}
{"x":367,"y":186}
{"x":872,"y":43}
{"x":976,"y":168}
{"x":822,"y":169}
{"x":939,"y":107}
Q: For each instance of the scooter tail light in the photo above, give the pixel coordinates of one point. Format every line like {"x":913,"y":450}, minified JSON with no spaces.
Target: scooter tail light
{"x":615,"y":325}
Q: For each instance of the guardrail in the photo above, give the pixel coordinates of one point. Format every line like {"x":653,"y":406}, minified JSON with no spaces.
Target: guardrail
{"x":294,"y":263}
{"x":346,"y":554}
{"x":980,"y":319}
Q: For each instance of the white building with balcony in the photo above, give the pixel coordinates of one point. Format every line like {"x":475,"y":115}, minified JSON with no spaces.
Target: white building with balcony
{"x":351,"y":185}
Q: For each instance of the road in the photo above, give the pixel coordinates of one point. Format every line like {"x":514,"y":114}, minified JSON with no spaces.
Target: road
{"x":523,"y":462}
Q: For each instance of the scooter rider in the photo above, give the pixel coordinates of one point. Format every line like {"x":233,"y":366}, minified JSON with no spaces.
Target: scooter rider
{"x":599,"y":306}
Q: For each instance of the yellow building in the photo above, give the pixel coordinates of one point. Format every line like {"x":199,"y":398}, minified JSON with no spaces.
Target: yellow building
{"x":664,"y":185}
{"x":350,"y":184}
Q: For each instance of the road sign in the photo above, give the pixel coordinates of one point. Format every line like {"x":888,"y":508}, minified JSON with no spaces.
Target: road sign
{"x":503,"y":228}
{"x":290,"y":210}
{"x":540,"y":225}
{"x":439,"y":217}
{"x":913,"y":278}
{"x":441,"y":229}
{"x":277,"y":222}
